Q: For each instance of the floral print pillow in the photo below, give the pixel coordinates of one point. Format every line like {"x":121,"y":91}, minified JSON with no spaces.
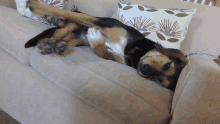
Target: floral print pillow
{"x":21,"y":8}
{"x":167,"y":27}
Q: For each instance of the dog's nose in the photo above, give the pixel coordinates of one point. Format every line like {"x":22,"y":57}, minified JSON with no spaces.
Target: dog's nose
{"x":147,"y":70}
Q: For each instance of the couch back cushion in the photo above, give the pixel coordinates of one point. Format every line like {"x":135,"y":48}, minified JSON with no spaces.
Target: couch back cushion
{"x":203,"y":29}
{"x":8,"y":3}
{"x":102,"y":8}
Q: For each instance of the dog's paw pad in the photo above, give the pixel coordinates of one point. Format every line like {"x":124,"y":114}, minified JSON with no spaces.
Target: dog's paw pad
{"x":51,"y":46}
{"x":54,"y":41}
{"x":60,"y":47}
{"x":46,"y":47}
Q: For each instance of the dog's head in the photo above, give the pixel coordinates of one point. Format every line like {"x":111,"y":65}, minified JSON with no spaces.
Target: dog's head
{"x":162,"y":65}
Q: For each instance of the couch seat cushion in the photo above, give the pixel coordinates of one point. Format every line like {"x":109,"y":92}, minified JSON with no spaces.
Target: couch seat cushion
{"x":115,"y":88}
{"x":31,"y":98}
{"x":15,"y":31}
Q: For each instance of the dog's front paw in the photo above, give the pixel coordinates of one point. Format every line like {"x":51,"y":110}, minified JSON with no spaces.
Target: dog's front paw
{"x":48,"y":47}
{"x":95,"y":37}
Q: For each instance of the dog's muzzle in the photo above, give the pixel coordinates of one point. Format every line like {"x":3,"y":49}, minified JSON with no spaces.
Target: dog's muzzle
{"x":147,"y":71}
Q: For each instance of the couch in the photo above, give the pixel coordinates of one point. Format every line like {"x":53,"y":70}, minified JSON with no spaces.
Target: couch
{"x":82,"y":88}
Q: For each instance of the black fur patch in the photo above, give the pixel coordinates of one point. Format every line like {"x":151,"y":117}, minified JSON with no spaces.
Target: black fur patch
{"x":45,"y":34}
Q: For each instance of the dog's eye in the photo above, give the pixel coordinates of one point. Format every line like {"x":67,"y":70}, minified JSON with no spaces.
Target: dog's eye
{"x":166,"y":66}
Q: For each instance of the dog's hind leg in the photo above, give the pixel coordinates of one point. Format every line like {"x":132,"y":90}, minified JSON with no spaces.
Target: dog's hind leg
{"x":56,"y":40}
{"x":80,"y":18}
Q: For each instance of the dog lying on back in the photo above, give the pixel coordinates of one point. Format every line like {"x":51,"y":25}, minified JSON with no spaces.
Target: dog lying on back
{"x":110,"y":39}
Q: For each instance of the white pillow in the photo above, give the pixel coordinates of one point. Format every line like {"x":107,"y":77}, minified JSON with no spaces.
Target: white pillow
{"x":167,"y":27}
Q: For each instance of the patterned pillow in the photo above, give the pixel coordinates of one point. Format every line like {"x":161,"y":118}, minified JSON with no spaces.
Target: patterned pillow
{"x":21,"y":8}
{"x":167,"y":27}
{"x":70,"y":5}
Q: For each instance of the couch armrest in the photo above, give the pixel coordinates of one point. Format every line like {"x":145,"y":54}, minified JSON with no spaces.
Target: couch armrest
{"x":197,"y":99}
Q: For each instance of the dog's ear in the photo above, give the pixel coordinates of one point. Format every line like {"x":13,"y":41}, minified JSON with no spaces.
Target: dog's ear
{"x":47,"y":33}
{"x":175,"y":53}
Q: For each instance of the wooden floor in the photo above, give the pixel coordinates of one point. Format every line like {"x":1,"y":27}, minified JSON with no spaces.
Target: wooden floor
{"x":7,"y":119}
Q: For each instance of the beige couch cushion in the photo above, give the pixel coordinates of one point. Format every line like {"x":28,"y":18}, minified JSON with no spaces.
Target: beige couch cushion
{"x":196,"y":99}
{"x":31,"y":98}
{"x":203,"y":30}
{"x":15,"y":31}
{"x":115,"y":88}
{"x":8,"y":3}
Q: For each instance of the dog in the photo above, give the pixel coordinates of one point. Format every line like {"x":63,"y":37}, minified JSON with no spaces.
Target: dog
{"x":111,"y":40}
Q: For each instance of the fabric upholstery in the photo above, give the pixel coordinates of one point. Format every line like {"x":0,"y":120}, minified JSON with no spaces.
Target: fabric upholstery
{"x":8,"y":3}
{"x":15,"y":31}
{"x":101,"y":8}
{"x":196,"y":99}
{"x":115,"y":88}
{"x":31,"y":98}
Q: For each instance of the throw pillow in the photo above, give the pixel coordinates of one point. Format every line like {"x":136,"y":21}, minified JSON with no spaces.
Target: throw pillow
{"x":167,"y":27}
{"x":70,"y":5}
{"x":21,"y":8}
